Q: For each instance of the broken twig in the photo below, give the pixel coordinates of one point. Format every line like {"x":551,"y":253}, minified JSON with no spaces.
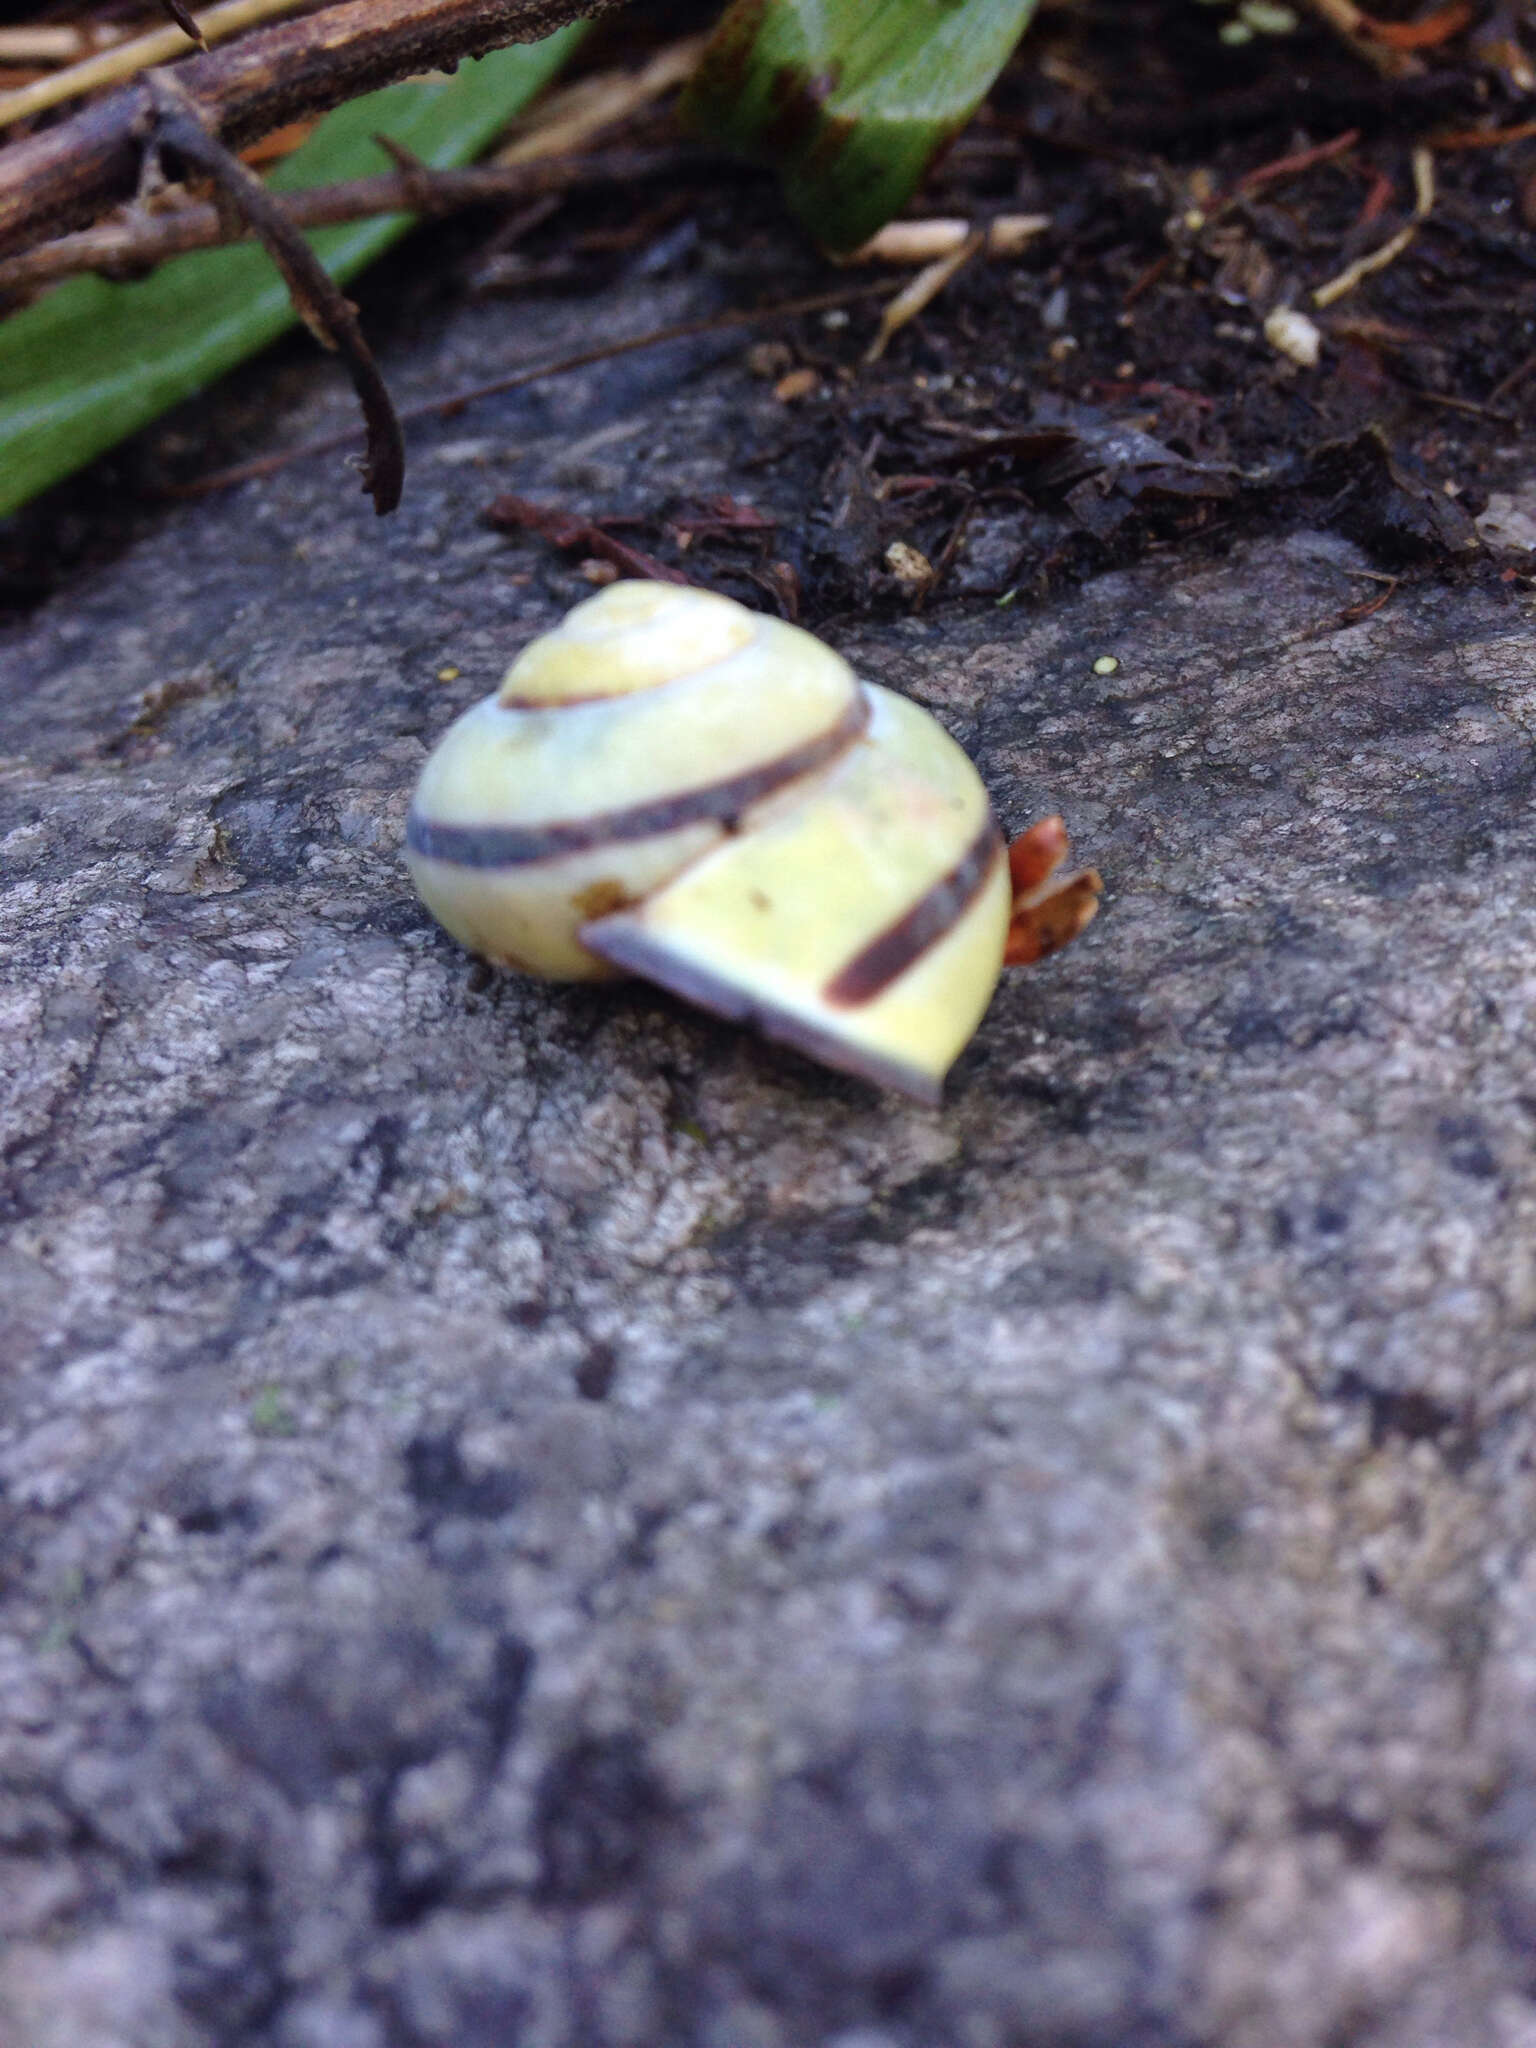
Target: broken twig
{"x":1299,"y":160}
{"x":319,"y":301}
{"x":455,"y":402}
{"x":1354,"y":26}
{"x":567,"y":530}
{"x":140,"y":240}
{"x":1378,"y":259}
{"x":928,"y":241}
{"x":921,"y":292}
{"x":43,"y":44}
{"x":177,"y":10}
{"x":127,"y":60}
{"x":67,"y":175}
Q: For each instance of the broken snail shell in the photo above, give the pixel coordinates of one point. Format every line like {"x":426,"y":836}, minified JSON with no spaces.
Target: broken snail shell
{"x":673,"y":786}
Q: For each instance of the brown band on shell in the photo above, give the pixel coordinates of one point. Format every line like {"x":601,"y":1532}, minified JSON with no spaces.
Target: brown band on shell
{"x":506,"y":703}
{"x":507,"y":846}
{"x":624,"y":942}
{"x":932,"y":917}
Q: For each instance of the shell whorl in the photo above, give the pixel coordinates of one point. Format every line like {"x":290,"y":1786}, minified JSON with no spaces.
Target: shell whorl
{"x":668,"y":784}
{"x":623,"y":744}
{"x":631,"y":636}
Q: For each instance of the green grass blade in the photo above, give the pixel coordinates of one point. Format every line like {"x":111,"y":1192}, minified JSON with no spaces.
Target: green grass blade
{"x":92,"y":362}
{"x":849,"y":100}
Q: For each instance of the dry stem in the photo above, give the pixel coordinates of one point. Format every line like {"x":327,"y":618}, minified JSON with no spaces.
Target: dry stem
{"x":142,"y":239}
{"x":44,"y":44}
{"x":127,"y":60}
{"x":68,"y":175}
{"x":1352,"y":25}
{"x":318,"y":300}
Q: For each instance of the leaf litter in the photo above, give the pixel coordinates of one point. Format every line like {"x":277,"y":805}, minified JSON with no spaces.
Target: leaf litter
{"x":1109,"y":384}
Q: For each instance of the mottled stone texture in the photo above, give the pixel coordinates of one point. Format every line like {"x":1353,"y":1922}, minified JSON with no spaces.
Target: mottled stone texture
{"x":530,"y":1518}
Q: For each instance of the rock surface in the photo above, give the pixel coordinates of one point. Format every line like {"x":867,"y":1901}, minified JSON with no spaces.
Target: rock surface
{"x":529,"y":1517}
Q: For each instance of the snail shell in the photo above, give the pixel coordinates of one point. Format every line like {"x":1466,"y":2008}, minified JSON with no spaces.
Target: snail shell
{"x":672,"y":786}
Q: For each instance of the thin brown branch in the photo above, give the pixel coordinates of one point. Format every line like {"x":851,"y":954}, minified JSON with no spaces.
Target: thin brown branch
{"x":567,"y":530}
{"x":319,"y":300}
{"x":1299,"y":160}
{"x":69,"y":174}
{"x":454,"y":402}
{"x":1352,"y":25}
{"x":141,"y":239}
{"x":121,"y":61}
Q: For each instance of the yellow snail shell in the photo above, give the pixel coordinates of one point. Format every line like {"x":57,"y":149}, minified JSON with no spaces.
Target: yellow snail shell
{"x":673,"y":786}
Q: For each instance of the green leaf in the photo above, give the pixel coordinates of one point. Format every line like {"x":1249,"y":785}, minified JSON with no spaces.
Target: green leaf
{"x":849,"y":100}
{"x":92,"y":362}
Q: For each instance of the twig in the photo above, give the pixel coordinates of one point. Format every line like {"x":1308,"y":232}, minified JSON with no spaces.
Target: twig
{"x":127,"y":60}
{"x":1144,"y":283}
{"x":1423,"y":163}
{"x":455,"y":402}
{"x":1425,"y":34}
{"x":140,"y":240}
{"x":1364,"y":267}
{"x":1353,"y":26}
{"x":948,"y":552}
{"x":1378,"y":259}
{"x":1467,"y":405}
{"x":926,"y":241}
{"x":568,"y":530}
{"x":44,"y":44}
{"x":324,"y":308}
{"x":1510,"y":384}
{"x":566,"y":119}
{"x":176,"y":9}
{"x":67,"y":175}
{"x":1376,"y":200}
{"x":1356,"y":614}
{"x":921,"y":292}
{"x":1301,"y":160}
{"x":1482,"y":138}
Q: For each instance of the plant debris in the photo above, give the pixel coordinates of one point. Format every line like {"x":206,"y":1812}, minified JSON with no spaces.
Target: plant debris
{"x":64,"y":175}
{"x":180,"y":130}
{"x":570,"y":531}
{"x":1126,"y":363}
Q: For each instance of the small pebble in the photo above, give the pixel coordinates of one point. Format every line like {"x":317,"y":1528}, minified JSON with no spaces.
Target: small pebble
{"x":909,"y":565}
{"x":798,"y":384}
{"x":1293,"y":335}
{"x":1106,"y":664}
{"x":769,"y":359}
{"x":1268,"y":17}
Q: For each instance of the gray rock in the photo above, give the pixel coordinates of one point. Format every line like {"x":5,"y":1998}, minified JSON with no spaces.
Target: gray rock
{"x":530,"y":1516}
